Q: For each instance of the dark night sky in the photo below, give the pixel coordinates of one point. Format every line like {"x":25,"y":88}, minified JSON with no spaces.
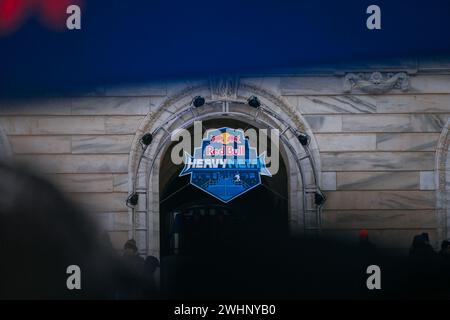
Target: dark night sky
{"x":131,"y":41}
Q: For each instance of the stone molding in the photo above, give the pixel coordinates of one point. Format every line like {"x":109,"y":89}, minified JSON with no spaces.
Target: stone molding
{"x":224,"y":87}
{"x":376,"y":82}
{"x":443,"y":185}
{"x":146,"y":177}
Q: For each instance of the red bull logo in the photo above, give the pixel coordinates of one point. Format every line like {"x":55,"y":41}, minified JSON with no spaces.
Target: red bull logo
{"x":226,"y":138}
{"x":225,"y":151}
{"x":225,"y":165}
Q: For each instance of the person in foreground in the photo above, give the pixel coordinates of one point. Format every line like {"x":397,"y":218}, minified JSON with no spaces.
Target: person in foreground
{"x":42,"y":233}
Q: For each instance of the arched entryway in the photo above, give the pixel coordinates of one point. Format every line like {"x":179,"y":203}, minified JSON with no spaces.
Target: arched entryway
{"x":301,"y":162}
{"x":194,"y":221}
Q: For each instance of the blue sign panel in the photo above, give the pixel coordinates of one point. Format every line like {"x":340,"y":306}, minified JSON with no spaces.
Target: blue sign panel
{"x":225,"y":166}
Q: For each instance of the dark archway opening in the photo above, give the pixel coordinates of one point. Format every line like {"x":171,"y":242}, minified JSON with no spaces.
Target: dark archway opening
{"x":193,"y":223}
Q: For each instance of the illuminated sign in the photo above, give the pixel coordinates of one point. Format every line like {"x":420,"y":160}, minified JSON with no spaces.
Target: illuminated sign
{"x":225,"y":166}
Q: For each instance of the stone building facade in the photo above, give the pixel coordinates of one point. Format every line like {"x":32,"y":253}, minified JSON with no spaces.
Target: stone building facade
{"x":379,"y":145}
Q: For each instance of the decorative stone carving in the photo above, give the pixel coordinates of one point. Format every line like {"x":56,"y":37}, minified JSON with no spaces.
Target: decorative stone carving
{"x":376,"y":83}
{"x":224,"y":87}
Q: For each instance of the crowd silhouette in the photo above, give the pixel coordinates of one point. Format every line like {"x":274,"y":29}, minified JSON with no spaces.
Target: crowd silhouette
{"x":42,"y":232}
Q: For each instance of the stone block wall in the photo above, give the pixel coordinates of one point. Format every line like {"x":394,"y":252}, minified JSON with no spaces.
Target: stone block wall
{"x":378,"y":155}
{"x":377,"y":152}
{"x":82,"y":144}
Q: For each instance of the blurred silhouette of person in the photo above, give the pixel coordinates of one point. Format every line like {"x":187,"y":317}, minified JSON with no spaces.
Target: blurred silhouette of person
{"x":135,"y":285}
{"x":106,"y":244}
{"x":423,"y":265}
{"x":444,"y":255}
{"x":365,"y":243}
{"x":421,"y":250}
{"x":38,"y":224}
{"x":131,"y":257}
{"x":151,"y":264}
{"x":445,"y":249}
{"x":130,"y":249}
{"x":368,"y":250}
{"x":269,"y":264}
{"x":152,"y":267}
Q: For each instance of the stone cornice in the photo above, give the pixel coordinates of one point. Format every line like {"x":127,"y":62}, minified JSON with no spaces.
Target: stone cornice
{"x":376,"y":82}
